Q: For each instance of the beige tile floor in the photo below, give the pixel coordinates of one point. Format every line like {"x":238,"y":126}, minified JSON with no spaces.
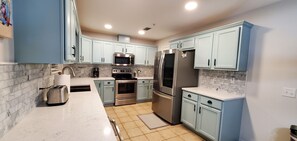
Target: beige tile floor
{"x":133,"y":129}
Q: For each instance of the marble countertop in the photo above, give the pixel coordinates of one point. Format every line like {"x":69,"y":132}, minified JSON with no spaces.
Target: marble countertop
{"x":145,"y":77}
{"x":82,"y":118}
{"x":104,"y":78}
{"x":212,"y":93}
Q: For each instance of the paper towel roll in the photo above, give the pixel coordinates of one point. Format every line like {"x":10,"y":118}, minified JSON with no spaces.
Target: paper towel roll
{"x":63,"y":79}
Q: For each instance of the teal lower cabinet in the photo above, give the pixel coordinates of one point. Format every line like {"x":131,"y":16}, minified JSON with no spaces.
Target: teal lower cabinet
{"x":144,"y":90}
{"x":214,"y":119}
{"x":106,"y":91}
{"x":189,"y":110}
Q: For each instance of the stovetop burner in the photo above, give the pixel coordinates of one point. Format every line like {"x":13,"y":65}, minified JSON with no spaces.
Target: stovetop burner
{"x":122,"y":74}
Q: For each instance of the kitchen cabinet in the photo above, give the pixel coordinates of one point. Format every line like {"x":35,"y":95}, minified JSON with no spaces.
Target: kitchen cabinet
{"x":189,"y":110}
{"x":223,"y":48}
{"x":215,"y":119}
{"x":145,"y":55}
{"x":86,"y":50}
{"x":124,"y":48}
{"x":47,"y":33}
{"x":106,"y":90}
{"x":183,"y":44}
{"x":144,"y":90}
{"x":103,"y":52}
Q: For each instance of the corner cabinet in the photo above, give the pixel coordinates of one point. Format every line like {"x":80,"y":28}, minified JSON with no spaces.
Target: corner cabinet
{"x":223,"y":48}
{"x":106,"y":91}
{"x":47,"y":33}
{"x":102,"y":52}
{"x":86,"y":50}
{"x":214,"y":119}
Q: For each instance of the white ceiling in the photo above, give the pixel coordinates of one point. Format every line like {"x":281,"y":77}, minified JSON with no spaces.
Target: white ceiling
{"x":170,"y":17}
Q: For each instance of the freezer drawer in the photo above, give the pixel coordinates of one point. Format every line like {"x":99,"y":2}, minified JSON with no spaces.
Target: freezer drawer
{"x":163,"y":106}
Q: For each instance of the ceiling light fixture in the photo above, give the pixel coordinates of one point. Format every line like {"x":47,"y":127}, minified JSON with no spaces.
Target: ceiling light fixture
{"x":108,"y":26}
{"x":141,"y":32}
{"x":191,"y":5}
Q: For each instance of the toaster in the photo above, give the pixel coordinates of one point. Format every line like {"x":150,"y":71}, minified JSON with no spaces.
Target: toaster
{"x":57,"y":95}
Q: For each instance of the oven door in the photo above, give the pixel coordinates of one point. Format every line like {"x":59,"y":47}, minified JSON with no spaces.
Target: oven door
{"x":126,"y":89}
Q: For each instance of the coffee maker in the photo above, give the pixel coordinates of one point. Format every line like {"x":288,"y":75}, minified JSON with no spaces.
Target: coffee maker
{"x":95,"y":72}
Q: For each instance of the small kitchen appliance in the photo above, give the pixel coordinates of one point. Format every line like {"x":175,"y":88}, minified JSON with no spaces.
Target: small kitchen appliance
{"x":57,"y":95}
{"x":95,"y":72}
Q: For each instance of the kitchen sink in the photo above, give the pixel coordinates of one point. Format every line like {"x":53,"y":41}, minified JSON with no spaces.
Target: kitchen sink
{"x":80,"y":88}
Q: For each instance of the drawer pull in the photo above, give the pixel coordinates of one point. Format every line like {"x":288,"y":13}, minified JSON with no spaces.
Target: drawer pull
{"x":209,"y":102}
{"x":108,"y":82}
{"x":189,"y":96}
{"x":199,"y":110}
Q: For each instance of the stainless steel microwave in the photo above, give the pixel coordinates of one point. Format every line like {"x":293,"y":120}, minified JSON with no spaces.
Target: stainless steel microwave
{"x":121,"y":59}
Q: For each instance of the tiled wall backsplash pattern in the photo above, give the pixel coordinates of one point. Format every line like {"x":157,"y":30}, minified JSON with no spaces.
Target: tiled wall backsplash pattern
{"x":232,"y":82}
{"x":85,"y":70}
{"x":19,"y":91}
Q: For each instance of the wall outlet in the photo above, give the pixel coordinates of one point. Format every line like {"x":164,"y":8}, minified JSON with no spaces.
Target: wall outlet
{"x":289,"y":92}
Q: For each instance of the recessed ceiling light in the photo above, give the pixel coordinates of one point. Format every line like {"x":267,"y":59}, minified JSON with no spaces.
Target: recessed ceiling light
{"x":108,"y":26}
{"x":191,"y":5}
{"x":141,"y":32}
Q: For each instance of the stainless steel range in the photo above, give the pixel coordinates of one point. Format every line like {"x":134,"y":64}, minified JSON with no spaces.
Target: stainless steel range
{"x":125,"y":86}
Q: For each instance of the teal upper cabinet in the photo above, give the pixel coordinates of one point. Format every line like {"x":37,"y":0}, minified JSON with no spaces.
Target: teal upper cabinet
{"x":203,"y":51}
{"x":47,"y":33}
{"x":223,"y":48}
{"x":86,"y":50}
{"x":145,"y":55}
{"x":124,"y":48}
{"x":140,"y":55}
{"x":103,"y":52}
{"x":183,"y":44}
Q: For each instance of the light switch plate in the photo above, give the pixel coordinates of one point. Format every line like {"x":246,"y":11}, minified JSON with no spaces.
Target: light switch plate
{"x":289,"y":92}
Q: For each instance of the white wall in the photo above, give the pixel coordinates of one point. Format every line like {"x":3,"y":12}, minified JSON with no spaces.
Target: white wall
{"x":6,"y":50}
{"x":267,"y":115}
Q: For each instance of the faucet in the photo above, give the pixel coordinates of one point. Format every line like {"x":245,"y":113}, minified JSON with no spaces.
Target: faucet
{"x":70,"y":68}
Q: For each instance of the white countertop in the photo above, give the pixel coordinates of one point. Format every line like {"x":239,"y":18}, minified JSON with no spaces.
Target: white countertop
{"x":141,"y":78}
{"x":82,"y":118}
{"x":219,"y":95}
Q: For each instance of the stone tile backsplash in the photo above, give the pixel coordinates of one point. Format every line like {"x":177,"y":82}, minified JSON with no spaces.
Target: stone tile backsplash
{"x":19,"y":91}
{"x":85,"y":70}
{"x":232,"y":82}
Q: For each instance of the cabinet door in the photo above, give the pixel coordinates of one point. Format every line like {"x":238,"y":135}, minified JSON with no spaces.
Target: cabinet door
{"x":142,"y":92}
{"x":86,"y":50}
{"x":151,"y":53}
{"x":119,"y":48}
{"x":189,"y":113}
{"x":108,"y":94}
{"x":99,"y":88}
{"x":174,"y":45}
{"x":98,"y":48}
{"x":150,"y":94}
{"x":203,"y":52}
{"x":108,"y":53}
{"x":226,"y":48}
{"x":188,"y":43}
{"x":130,"y":49}
{"x":70,"y":34}
{"x":140,"y":55}
{"x":209,"y":122}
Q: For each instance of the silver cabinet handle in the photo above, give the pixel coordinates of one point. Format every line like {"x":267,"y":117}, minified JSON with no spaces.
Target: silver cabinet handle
{"x":122,"y":49}
{"x":148,"y":62}
{"x":144,"y":61}
{"x":115,"y":128}
{"x":126,"y":50}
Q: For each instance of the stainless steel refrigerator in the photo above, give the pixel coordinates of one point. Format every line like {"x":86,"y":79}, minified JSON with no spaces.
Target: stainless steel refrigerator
{"x":173,"y":70}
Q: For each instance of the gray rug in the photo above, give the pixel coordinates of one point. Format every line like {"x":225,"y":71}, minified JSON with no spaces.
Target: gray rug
{"x":152,"y":121}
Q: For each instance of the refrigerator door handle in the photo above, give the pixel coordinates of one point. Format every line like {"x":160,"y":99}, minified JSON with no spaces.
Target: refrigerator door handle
{"x":163,"y":96}
{"x":161,"y":70}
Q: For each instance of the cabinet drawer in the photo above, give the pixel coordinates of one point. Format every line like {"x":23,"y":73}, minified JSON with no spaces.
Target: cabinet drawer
{"x":108,"y":83}
{"x":143,"y":81}
{"x":191,"y":96}
{"x":211,"y":102}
